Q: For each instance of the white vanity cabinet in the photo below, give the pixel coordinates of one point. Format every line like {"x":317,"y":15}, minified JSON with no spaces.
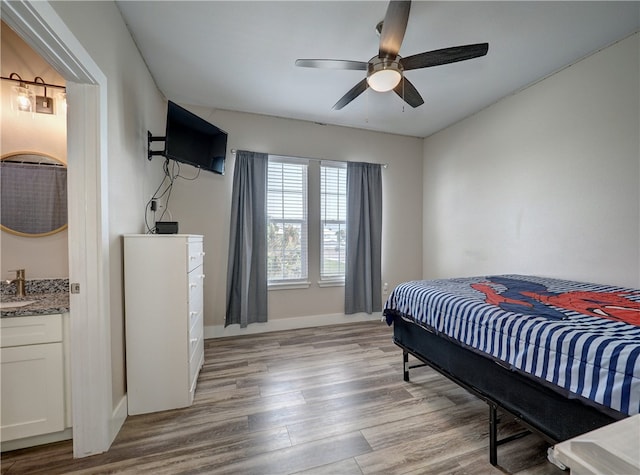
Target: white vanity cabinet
{"x":33,"y":376}
{"x":163,"y":279}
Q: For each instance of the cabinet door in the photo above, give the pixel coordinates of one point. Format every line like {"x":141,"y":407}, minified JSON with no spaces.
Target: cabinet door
{"x":32,"y":391}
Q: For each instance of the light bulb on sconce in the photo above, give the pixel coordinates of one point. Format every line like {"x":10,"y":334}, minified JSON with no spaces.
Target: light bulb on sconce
{"x":61,"y":98}
{"x":22,"y":98}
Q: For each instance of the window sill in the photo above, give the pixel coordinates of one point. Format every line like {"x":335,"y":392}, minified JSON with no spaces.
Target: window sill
{"x":304,"y":285}
{"x":289,"y":285}
{"x":331,"y":283}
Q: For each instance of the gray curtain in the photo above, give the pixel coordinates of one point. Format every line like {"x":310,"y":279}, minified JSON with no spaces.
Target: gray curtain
{"x":363,"y":273}
{"x":247,"y":266}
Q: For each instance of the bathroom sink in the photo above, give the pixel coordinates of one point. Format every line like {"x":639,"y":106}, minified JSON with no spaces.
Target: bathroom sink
{"x":16,"y":304}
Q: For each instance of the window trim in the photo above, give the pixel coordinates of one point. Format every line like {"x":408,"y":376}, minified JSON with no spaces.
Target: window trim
{"x":313,"y":250}
{"x":331,"y":283}
{"x":299,"y":284}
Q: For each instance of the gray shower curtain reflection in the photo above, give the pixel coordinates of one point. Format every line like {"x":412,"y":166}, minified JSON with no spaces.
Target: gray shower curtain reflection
{"x":34,"y":197}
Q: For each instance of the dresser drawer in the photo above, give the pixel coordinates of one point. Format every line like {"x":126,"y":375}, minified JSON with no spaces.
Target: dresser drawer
{"x":196,"y":285}
{"x":195,"y":333}
{"x":196,"y":255}
{"x":32,"y":330}
{"x":195,"y":316}
{"x":196,"y":351}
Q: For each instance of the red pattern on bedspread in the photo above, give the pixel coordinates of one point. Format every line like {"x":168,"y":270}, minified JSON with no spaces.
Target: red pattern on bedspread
{"x":597,"y":304}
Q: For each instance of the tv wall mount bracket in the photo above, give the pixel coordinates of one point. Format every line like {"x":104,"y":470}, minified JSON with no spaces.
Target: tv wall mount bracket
{"x":152,"y":153}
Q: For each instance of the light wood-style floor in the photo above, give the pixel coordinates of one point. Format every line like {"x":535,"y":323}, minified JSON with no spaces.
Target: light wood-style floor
{"x":327,"y":400}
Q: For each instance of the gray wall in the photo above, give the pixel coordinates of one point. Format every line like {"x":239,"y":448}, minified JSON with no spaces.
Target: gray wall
{"x":203,"y":206}
{"x":544,"y":182}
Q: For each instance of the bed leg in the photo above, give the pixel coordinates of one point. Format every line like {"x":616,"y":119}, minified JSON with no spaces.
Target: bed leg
{"x":493,"y":434}
{"x":405,"y":365}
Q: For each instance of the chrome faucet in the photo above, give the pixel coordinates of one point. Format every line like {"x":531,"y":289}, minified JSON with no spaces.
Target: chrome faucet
{"x":19,"y":281}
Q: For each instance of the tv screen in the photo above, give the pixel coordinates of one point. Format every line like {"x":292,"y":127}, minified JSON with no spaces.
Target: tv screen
{"x":194,"y":141}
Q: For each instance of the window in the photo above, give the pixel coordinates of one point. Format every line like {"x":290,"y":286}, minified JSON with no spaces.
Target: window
{"x":287,"y":220}
{"x":306,"y":198}
{"x":333,"y":224}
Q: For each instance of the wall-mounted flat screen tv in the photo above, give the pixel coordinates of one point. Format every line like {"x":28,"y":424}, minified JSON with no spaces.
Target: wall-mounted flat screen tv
{"x":192,"y":140}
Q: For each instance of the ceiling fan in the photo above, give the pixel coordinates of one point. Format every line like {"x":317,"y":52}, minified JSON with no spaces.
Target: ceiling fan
{"x":385,"y":71}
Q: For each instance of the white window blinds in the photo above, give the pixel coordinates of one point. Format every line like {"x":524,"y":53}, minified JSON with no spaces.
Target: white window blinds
{"x":287,"y":220}
{"x":333,"y":225}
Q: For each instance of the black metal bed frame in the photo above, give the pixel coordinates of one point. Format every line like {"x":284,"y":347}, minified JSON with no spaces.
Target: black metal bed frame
{"x":536,"y":406}
{"x":494,"y":420}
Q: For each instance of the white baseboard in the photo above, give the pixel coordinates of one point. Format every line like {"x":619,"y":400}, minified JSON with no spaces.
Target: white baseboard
{"x":220,"y":331}
{"x":117,"y":418}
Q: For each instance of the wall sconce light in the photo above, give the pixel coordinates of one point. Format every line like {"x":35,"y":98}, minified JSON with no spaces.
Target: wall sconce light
{"x":23,"y":98}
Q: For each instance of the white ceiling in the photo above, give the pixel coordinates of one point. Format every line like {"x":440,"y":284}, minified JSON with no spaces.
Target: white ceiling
{"x":239,"y":55}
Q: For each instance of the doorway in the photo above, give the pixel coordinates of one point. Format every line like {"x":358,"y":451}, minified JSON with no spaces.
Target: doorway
{"x":95,"y":423}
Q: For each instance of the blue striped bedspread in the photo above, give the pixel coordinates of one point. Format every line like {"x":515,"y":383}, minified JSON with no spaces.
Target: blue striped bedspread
{"x":584,"y":338}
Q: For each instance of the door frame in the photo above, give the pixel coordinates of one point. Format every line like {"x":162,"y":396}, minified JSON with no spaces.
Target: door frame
{"x":41,"y":28}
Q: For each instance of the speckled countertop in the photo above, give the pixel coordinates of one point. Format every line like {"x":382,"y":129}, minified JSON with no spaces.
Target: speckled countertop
{"x":50,"y":296}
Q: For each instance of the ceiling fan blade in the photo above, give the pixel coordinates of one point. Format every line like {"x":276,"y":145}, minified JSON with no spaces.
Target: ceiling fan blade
{"x":354,"y":92}
{"x":394,"y":26}
{"x":332,"y":64}
{"x":444,"y":56}
{"x":408,"y":93}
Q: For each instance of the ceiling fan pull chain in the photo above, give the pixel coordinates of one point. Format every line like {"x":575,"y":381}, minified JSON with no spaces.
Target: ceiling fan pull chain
{"x":403,"y":99}
{"x":366,"y":107}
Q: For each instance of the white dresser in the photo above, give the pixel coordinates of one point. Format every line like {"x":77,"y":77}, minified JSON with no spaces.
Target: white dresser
{"x":163,"y":279}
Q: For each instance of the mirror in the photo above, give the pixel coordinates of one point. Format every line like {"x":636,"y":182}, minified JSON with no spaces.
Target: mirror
{"x":33,"y":190}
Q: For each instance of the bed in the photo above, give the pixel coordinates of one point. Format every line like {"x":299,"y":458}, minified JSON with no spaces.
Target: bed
{"x":563,"y":357}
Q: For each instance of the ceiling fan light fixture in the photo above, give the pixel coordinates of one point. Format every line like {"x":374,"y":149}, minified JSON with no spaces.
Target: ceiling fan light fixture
{"x":383,"y":75}
{"x":385,"y":80}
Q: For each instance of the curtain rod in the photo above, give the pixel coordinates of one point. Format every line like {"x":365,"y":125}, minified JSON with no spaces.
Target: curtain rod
{"x":383,"y":165}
